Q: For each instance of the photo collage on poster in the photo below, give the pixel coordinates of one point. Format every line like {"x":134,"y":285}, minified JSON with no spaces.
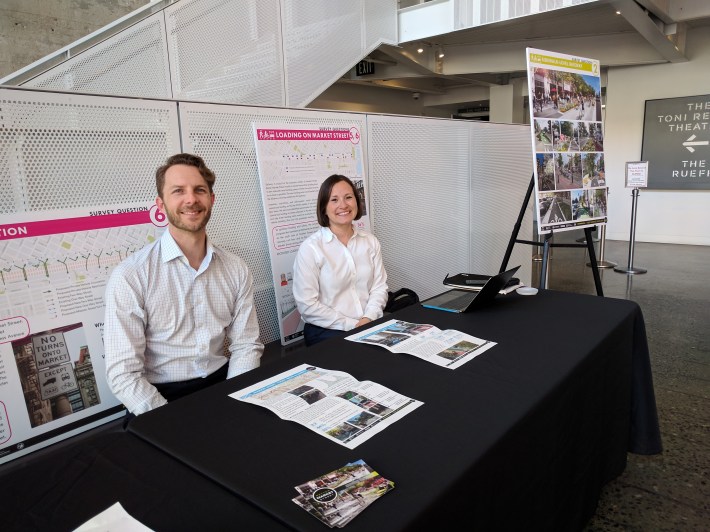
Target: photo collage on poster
{"x":568,"y":140}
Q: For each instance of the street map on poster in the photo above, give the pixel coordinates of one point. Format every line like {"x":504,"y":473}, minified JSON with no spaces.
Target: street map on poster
{"x":293,"y":161}
{"x":331,"y":403}
{"x":53,"y":270}
{"x":568,"y":140}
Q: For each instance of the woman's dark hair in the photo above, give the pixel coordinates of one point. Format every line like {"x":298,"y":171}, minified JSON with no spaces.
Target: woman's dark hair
{"x":324,"y":196}
{"x":188,"y":159}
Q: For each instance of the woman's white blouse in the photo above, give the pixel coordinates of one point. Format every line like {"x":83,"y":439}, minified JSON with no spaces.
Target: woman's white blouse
{"x":334,"y":285}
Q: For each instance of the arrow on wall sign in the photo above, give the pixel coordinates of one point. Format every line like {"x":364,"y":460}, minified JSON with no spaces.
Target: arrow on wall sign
{"x":689,"y":143}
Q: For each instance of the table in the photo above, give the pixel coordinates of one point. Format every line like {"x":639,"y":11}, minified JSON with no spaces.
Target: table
{"x":522,"y":437}
{"x":72,"y":483}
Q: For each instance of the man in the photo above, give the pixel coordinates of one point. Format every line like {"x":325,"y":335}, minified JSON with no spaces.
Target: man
{"x":171,"y":306}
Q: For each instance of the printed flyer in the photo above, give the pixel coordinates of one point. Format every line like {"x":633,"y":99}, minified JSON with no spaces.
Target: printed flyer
{"x":293,"y":161}
{"x":331,"y":403}
{"x":336,"y":498}
{"x":53,"y":270}
{"x":568,"y":140}
{"x":447,"y":348}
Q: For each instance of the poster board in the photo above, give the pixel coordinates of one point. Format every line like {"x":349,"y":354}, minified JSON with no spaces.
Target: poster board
{"x":293,"y":160}
{"x":676,"y":143}
{"x":77,"y":198}
{"x":568,"y":141}
{"x":53,"y":272}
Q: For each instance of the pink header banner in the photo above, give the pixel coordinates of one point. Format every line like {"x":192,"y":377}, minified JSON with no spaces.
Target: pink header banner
{"x":73,"y":225}
{"x":303,"y":134}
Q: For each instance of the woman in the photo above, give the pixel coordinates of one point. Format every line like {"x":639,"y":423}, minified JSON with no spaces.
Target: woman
{"x":339,"y":282}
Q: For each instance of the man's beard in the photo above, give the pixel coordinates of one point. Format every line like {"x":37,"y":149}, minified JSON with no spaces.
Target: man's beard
{"x":176,"y":221}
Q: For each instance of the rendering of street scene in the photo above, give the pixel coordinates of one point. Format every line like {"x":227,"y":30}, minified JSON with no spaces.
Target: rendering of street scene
{"x":568,"y":171}
{"x":308,"y":394}
{"x":565,"y":95}
{"x":581,"y":206}
{"x":545,"y":171}
{"x":458,"y":350}
{"x":543,"y":135}
{"x":588,"y":204}
{"x":555,"y":135}
{"x":555,"y":207}
{"x":593,"y":168}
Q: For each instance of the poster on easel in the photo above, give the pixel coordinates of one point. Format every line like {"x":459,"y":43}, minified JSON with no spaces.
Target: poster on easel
{"x":54,"y":266}
{"x":568,"y":141}
{"x":293,"y":160}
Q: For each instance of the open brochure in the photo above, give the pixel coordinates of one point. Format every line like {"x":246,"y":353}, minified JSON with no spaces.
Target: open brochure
{"x":448,"y":348}
{"x":331,"y":403}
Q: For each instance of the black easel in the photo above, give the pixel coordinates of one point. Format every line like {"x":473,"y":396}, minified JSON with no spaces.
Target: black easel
{"x":546,"y":244}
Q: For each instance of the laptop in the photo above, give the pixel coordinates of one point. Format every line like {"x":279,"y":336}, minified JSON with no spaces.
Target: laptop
{"x":466,"y":300}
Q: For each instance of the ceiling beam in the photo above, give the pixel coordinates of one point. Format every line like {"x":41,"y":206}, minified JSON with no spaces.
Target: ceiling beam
{"x":656,"y":36}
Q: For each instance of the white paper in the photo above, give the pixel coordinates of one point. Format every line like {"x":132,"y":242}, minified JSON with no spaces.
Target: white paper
{"x":331,"y":403}
{"x":448,"y":348}
{"x":114,"y":518}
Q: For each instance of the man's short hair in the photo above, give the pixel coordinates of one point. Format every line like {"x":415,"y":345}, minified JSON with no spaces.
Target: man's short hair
{"x":324,"y":196}
{"x":188,"y":159}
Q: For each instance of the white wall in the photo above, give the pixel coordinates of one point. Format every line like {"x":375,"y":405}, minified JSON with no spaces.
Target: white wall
{"x":680,"y":217}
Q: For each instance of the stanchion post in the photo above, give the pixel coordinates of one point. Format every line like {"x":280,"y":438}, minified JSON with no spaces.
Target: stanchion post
{"x":632,"y":239}
{"x":601,"y":263}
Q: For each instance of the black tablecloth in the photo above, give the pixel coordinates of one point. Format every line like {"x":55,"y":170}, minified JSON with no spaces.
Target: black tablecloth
{"x":522,"y":437}
{"x":73,"y":483}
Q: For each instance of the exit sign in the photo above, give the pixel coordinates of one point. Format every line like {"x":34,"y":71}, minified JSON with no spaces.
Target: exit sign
{"x":364,"y":67}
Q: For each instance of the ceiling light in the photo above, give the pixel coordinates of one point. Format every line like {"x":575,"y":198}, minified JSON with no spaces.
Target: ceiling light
{"x":440,"y":53}
{"x":420,"y":50}
{"x":618,"y":12}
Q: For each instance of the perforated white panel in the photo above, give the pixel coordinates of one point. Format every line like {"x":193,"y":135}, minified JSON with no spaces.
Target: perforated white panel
{"x":223,"y":135}
{"x":445,"y":197}
{"x":380,"y":23}
{"x":501,"y":168}
{"x":419,"y":185}
{"x":322,"y":41}
{"x":226,"y":51}
{"x":131,"y":63}
{"x":62,"y":151}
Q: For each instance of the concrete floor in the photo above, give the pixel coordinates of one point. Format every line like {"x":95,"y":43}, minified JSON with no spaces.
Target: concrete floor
{"x":670,"y":491}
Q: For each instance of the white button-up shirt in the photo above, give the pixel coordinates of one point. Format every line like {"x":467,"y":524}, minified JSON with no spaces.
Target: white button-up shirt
{"x":336,"y":285}
{"x":166,"y":322}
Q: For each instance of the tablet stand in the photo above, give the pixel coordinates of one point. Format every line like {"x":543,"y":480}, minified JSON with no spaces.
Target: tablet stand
{"x":546,"y":245}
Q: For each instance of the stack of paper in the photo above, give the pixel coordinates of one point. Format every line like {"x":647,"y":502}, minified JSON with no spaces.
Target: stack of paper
{"x":337,"y":497}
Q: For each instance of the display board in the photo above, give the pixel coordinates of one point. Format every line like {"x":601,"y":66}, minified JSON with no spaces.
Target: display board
{"x":568,"y":140}
{"x":78,"y":192}
{"x":676,"y":143}
{"x":293,"y":161}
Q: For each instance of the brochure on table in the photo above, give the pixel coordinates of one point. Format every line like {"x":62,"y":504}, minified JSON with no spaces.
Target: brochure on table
{"x":53,"y":270}
{"x":331,"y":403}
{"x":336,"y":498}
{"x":567,"y":139}
{"x":448,"y":348}
{"x":293,"y":161}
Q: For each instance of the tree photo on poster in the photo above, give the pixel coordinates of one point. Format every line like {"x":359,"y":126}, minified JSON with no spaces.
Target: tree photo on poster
{"x":568,"y":141}
{"x":676,"y":143}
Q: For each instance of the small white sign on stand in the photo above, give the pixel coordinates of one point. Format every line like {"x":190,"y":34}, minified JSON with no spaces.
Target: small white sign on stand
{"x":637,"y":174}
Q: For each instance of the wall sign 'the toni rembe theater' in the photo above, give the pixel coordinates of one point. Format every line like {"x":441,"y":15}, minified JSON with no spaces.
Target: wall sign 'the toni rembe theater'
{"x":676,"y":143}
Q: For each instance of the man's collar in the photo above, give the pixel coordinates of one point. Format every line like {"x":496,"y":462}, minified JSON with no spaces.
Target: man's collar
{"x":170,"y":250}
